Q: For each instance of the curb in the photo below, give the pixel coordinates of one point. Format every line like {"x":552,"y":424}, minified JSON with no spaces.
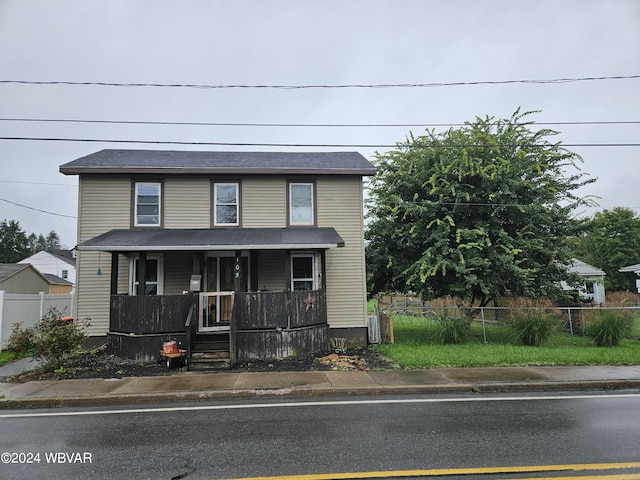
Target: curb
{"x":297,"y":392}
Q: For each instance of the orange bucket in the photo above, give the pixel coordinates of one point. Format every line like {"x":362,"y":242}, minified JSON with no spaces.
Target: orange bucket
{"x":170,"y":347}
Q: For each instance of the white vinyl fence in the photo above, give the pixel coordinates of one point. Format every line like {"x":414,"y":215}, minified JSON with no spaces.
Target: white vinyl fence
{"x":28,"y":309}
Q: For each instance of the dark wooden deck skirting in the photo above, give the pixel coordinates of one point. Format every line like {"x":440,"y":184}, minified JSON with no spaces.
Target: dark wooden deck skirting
{"x":267,"y":344}
{"x":141,"y":348}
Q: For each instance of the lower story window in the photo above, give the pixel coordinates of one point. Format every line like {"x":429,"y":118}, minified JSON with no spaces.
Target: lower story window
{"x":153,"y":275}
{"x":303,"y":272}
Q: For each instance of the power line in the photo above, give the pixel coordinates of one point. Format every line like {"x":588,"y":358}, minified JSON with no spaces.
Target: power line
{"x":39,"y":183}
{"x":340,"y":125}
{"x":37,"y":209}
{"x":325,"y":86}
{"x":315,"y":145}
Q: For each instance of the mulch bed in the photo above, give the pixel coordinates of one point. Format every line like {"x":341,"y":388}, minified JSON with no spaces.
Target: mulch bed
{"x":99,"y":364}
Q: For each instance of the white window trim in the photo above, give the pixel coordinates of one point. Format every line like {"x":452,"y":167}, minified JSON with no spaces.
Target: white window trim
{"x":311,"y":186}
{"x":215,"y":204}
{"x":135,"y":200}
{"x":133,"y":281}
{"x":314,"y":266}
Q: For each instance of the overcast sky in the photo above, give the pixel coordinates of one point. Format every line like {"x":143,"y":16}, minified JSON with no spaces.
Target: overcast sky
{"x":294,"y":42}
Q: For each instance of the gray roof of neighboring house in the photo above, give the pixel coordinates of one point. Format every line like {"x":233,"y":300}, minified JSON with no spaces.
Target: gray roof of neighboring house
{"x":66,"y":255}
{"x":631,"y":268}
{"x":198,"y":162}
{"x":55,"y":280}
{"x":584,"y":269}
{"x":9,"y":269}
{"x":193,"y":239}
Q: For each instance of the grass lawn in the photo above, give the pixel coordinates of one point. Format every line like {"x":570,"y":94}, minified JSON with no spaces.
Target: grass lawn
{"x":6,"y":357}
{"x":479,"y":355}
{"x":416,"y":347}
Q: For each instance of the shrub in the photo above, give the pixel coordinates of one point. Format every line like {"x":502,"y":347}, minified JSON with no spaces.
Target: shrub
{"x":534,"y":327}
{"x":21,"y":340}
{"x":52,"y":339}
{"x":608,"y":327}
{"x":451,"y":330}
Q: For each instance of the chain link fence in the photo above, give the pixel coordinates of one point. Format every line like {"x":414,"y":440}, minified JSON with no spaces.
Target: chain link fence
{"x":411,"y":321}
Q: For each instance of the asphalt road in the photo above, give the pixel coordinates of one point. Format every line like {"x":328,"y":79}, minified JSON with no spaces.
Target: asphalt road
{"x":287,"y":437}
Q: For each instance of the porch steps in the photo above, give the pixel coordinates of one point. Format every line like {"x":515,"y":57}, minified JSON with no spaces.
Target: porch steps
{"x":210,"y":351}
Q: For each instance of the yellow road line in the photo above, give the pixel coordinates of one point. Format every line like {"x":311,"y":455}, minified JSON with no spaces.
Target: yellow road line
{"x":624,"y":476}
{"x":464,"y":471}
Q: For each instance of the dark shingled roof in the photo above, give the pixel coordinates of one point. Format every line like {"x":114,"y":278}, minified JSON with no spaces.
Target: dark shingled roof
{"x":191,"y":162}
{"x":214,"y":239}
{"x":9,"y":269}
{"x":55,"y":280}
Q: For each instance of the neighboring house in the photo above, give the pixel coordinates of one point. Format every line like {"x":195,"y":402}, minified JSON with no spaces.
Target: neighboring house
{"x":271,"y":243}
{"x":22,"y":278}
{"x":60,"y":263}
{"x":593,"y":278}
{"x":633,"y":269}
{"x":58,"y":285}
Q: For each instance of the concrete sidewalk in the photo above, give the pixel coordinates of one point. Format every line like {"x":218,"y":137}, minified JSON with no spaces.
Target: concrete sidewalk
{"x":224,"y":385}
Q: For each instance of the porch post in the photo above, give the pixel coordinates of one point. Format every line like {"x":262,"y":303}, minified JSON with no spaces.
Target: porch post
{"x":142,"y":273}
{"x":253,"y":271}
{"x":237,"y":272}
{"x":287,"y":270}
{"x":196,"y":263}
{"x":323,"y":271}
{"x":114,"y":273}
{"x":142,"y":287}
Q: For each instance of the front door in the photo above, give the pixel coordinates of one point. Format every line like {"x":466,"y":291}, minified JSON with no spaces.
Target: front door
{"x":217,"y":302}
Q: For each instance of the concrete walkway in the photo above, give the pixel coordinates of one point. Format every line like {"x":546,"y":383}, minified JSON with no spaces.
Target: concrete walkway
{"x":224,"y":385}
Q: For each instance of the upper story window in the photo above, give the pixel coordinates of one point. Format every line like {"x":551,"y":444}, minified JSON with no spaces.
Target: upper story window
{"x":226,"y":204}
{"x":148,"y":201}
{"x":65,"y":274}
{"x":301,"y":208}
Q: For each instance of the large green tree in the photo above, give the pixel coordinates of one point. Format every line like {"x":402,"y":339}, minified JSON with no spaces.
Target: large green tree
{"x":15,"y":244}
{"x":610,"y":240}
{"x":479,"y":212}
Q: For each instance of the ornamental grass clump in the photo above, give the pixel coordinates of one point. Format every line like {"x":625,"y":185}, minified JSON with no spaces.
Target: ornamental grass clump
{"x":451,"y":330}
{"x":534,"y":327}
{"x":608,"y":327}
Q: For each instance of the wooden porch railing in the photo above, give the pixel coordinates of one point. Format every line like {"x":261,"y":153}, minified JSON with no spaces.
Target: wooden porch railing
{"x":263,"y":324}
{"x":286,"y":310}
{"x":150,"y":314}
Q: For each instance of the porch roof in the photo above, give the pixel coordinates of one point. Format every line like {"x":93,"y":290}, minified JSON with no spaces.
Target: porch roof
{"x":205,"y":239}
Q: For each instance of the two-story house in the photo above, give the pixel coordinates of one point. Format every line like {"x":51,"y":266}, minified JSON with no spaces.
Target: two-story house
{"x":260,"y":254}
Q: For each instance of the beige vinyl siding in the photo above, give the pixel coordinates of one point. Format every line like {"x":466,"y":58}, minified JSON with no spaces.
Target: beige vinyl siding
{"x":271,"y":270}
{"x":104,"y":204}
{"x":94,"y":290}
{"x":264,"y":202}
{"x":178,"y":268}
{"x":124,"y":264}
{"x":187,"y":202}
{"x":340,"y":205}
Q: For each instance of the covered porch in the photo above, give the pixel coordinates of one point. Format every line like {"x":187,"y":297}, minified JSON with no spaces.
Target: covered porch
{"x":225,"y":295}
